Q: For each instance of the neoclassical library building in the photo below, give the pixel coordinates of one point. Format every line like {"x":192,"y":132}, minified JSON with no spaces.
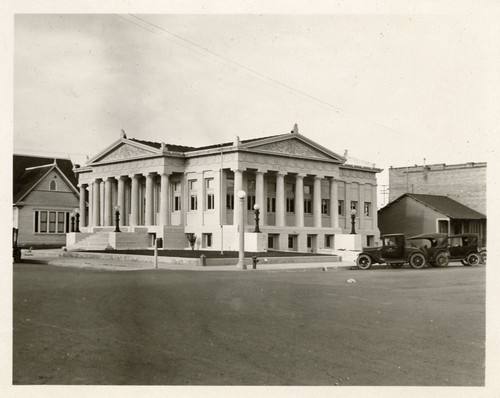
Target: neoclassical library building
{"x":137,"y":193}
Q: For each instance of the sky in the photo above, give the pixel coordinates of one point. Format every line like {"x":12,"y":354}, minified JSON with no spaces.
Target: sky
{"x":391,"y":89}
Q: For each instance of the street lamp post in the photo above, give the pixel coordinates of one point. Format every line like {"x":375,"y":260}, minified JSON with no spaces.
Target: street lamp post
{"x":241,"y":254}
{"x":117,"y":219}
{"x":256,"y":207}
{"x":77,"y":220}
{"x":353,"y":221}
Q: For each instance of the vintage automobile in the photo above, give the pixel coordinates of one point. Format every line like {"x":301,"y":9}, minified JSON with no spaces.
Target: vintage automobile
{"x":394,"y":252}
{"x":434,"y":245}
{"x":464,"y":247}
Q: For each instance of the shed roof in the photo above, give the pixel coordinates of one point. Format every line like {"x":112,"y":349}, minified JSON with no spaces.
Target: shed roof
{"x":442,"y":204}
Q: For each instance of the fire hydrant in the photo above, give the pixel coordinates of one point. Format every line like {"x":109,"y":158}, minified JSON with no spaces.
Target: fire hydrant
{"x":254,"y":262}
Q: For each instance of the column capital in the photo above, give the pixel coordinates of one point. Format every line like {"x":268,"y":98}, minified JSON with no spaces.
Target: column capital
{"x":319,"y":177}
{"x":282,"y":173}
{"x":260,"y":171}
{"x":300,"y":175}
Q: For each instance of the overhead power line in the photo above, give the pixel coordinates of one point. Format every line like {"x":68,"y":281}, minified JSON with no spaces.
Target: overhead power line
{"x":153,"y":28}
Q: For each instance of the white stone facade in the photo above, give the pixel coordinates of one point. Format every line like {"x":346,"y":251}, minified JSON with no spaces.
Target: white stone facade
{"x":304,"y":191}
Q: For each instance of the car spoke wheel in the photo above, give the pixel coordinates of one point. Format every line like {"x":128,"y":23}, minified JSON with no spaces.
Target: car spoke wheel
{"x":417,"y":260}
{"x":364,"y":261}
{"x":442,"y":260}
{"x":473,"y":259}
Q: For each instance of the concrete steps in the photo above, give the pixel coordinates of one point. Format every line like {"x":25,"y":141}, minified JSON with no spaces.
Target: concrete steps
{"x":96,"y":241}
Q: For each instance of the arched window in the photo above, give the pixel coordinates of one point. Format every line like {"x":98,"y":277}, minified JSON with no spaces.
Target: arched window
{"x":52,"y":185}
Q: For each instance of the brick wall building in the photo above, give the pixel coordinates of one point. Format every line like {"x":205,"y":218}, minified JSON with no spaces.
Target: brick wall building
{"x":465,"y":183}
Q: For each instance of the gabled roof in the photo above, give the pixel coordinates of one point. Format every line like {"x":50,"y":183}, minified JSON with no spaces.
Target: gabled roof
{"x":29,"y":170}
{"x":442,"y":204}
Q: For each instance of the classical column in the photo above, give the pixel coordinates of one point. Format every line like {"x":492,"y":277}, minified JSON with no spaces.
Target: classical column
{"x":317,"y":201}
{"x":150,"y":199}
{"x":91,"y":205}
{"x":134,"y":201}
{"x":164,"y":202}
{"x":96,"y":203}
{"x":238,"y":186}
{"x":108,"y":204}
{"x":334,"y":211}
{"x":280,"y":199}
{"x":259,"y":193}
{"x":374,"y":207}
{"x":361,"y":207}
{"x":299,"y":200}
{"x":121,"y":199}
{"x":83,"y":207}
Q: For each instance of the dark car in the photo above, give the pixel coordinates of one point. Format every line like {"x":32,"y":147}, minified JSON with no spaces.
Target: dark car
{"x":393,"y":252}
{"x":464,"y":247}
{"x":435,"y":247}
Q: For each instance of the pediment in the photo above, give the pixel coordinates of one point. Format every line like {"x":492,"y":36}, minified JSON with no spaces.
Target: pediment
{"x":122,"y":152}
{"x":294,"y":148}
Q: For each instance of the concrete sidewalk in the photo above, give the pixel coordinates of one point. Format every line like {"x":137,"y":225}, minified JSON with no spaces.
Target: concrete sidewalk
{"x":52,"y":257}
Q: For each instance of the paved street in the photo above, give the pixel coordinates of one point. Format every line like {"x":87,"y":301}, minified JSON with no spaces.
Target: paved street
{"x":284,"y":327}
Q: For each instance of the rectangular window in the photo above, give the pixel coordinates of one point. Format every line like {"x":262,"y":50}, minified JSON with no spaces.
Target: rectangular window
{"x":367,"y":209}
{"x":209,"y":184}
{"x":230,"y":201}
{"x":307,"y":189}
{"x":325,"y":206}
{"x":210,"y":201}
{"x":193,"y":195}
{"x":329,"y":241}
{"x":341,"y":208}
{"x":250,"y":202}
{"x":309,"y":242}
{"x":43,"y":221}
{"x":290,"y":205}
{"x":52,"y":222}
{"x":354,"y":205}
{"x":291,"y":241}
{"x":270,"y":242}
{"x":177,"y":203}
{"x":307,"y":206}
{"x":60,"y":222}
{"x":207,"y":240}
{"x":193,"y":202}
{"x":271,"y":205}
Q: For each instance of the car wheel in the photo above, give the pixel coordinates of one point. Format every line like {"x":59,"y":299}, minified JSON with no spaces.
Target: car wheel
{"x":417,"y":260}
{"x":396,"y":265}
{"x":473,"y":259}
{"x":464,"y":262}
{"x":364,"y":261}
{"x":442,"y":260}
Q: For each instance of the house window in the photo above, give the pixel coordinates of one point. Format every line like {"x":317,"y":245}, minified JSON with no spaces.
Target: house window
{"x":271,"y":205}
{"x":329,"y":241}
{"x":250,"y":202}
{"x":51,"y":222}
{"x":290,"y":205}
{"x":354,"y":205}
{"x":292,"y":240}
{"x":341,"y":208}
{"x":325,"y":206}
{"x":53,"y":185}
{"x":209,"y":184}
{"x":270,"y":241}
{"x":368,"y":209}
